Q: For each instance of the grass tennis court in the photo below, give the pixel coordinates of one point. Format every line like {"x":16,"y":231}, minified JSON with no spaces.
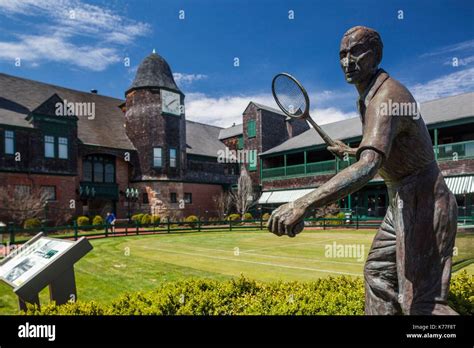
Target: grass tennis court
{"x":121,"y":264}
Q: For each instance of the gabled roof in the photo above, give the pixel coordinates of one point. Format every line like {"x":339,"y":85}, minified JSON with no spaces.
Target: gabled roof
{"x":231,"y":131}
{"x":202,"y":139}
{"x":433,"y":112}
{"x":265,"y":107}
{"x":19,"y":96}
{"x":238,"y":129}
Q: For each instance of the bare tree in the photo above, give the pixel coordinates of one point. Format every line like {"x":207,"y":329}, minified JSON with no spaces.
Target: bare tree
{"x":21,"y":202}
{"x":243,"y":198}
{"x":223,"y":203}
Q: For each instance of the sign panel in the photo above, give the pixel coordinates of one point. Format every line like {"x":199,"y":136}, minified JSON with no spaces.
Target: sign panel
{"x":31,"y":259}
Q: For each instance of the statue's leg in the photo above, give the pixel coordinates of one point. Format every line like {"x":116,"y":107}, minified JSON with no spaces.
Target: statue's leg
{"x":425,"y":223}
{"x":380,"y":272}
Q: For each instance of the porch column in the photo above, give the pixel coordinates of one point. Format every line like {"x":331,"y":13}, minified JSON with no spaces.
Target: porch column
{"x":304,"y":161}
{"x":436,"y":143}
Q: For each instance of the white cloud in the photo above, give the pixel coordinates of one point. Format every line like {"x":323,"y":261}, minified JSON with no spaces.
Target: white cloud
{"x":187,"y":79}
{"x":460,"y":46}
{"x":451,"y":84}
{"x":35,"y":48}
{"x":55,"y":35}
{"x":226,"y":110}
{"x":331,"y":114}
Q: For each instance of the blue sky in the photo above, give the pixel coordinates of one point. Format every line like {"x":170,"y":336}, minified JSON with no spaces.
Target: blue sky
{"x":83,"y":44}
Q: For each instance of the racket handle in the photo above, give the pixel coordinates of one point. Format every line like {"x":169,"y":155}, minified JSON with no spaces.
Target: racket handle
{"x":327,"y":139}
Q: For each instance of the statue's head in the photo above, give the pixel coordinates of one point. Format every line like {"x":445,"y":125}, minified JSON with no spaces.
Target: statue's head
{"x":360,"y":54}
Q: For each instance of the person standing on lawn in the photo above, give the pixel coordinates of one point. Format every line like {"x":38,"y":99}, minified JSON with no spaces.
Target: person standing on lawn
{"x":110,"y":220}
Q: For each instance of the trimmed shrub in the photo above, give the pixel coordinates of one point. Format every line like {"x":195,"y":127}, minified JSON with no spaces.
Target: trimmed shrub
{"x":339,"y":216}
{"x":248,"y":216}
{"x":83,"y":221}
{"x":155,"y":219}
{"x":146,"y":219}
{"x":97,"y":220}
{"x":233,"y":217}
{"x":461,"y":293}
{"x":325,"y":296}
{"x":266,"y":217}
{"x":32,"y":223}
{"x":137,"y":217}
{"x":192,"y":220}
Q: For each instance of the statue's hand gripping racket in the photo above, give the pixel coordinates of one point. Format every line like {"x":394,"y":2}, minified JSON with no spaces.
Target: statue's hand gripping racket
{"x":293,"y":100}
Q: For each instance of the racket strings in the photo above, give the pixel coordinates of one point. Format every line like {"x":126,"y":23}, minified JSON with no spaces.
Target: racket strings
{"x":289,"y":95}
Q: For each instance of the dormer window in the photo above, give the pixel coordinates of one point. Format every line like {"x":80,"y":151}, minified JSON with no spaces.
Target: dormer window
{"x":48,"y":146}
{"x":62,"y":148}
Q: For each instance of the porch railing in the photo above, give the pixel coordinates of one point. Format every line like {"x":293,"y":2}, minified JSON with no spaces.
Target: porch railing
{"x":446,"y":152}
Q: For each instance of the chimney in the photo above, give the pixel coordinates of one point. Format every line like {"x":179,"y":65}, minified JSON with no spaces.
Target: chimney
{"x":94,"y":91}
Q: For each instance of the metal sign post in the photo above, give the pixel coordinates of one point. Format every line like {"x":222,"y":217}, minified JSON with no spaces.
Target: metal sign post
{"x":41,"y":262}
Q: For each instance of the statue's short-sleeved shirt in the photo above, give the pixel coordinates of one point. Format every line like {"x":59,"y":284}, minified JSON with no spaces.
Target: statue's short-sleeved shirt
{"x":392,"y":126}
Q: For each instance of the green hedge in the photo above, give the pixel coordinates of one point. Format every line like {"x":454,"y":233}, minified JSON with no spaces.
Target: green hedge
{"x":248,"y":216}
{"x":137,"y":217}
{"x":326,"y":296}
{"x":83,"y":221}
{"x":97,"y":220}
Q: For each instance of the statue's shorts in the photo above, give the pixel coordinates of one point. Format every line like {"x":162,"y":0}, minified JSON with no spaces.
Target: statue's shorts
{"x":408,"y":268}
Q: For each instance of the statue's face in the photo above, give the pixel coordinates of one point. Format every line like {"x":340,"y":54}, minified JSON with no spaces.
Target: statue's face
{"x":358,"y":59}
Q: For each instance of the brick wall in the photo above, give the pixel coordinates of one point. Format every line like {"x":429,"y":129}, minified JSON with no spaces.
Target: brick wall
{"x":159,"y":193}
{"x":254,"y":143}
{"x":65,"y":192}
{"x":450,"y":168}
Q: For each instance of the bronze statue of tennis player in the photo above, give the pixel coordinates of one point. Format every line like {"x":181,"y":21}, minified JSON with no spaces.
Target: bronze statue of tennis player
{"x":408,"y":268}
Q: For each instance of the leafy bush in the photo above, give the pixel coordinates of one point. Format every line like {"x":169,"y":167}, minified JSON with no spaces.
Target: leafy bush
{"x":248,"y":216}
{"x":461,"y":293}
{"x":97,"y":220}
{"x":192,"y":220}
{"x":146,"y":219}
{"x":32,"y":223}
{"x":325,"y":296}
{"x":233,"y":217}
{"x":266,"y":217}
{"x":340,"y":216}
{"x":83,"y":221}
{"x":137,"y":217}
{"x":155,"y":219}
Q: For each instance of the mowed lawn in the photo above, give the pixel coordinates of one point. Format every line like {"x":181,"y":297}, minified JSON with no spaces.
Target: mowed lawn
{"x":123,"y":264}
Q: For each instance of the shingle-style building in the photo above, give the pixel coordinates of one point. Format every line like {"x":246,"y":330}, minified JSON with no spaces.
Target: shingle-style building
{"x":95,"y":161}
{"x":141,"y":154}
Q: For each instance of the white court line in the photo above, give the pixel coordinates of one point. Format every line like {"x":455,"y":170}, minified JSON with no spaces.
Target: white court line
{"x":289,"y":245}
{"x":255,"y":262}
{"x":273,"y":256}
